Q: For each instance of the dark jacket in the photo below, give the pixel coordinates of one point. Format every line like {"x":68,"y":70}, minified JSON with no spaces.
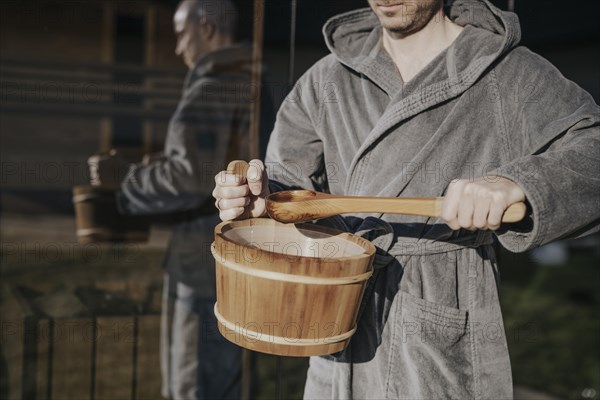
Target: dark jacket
{"x":208,"y":129}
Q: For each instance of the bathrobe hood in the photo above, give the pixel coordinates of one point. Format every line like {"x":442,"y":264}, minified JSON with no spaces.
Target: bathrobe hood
{"x":351,"y":37}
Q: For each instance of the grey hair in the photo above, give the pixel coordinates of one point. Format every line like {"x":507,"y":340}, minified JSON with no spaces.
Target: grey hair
{"x":222,"y":13}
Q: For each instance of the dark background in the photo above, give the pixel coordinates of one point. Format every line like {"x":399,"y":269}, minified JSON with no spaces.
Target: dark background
{"x":79,"y":77}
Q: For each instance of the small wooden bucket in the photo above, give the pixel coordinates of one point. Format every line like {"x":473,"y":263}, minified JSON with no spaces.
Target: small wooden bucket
{"x":291,"y":290}
{"x":98,"y":219}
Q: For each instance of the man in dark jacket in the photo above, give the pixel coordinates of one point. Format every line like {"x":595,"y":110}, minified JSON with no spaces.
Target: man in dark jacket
{"x":420,"y":101}
{"x":208,"y":129}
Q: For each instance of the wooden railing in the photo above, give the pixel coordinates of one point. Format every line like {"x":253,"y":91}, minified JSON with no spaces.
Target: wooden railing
{"x":88,"y":89}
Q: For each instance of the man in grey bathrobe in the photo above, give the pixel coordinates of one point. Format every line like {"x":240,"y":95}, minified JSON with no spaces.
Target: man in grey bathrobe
{"x":419,"y":100}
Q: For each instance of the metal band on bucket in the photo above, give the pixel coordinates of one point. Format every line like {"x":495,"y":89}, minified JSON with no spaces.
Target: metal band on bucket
{"x":280,"y":276}
{"x":262,"y":337}
{"x":80,"y":198}
{"x":93,"y":231}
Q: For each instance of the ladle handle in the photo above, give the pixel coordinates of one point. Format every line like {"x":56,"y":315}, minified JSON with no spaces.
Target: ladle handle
{"x":514,"y":213}
{"x":322,"y":206}
{"x":432,"y":207}
{"x":304,"y":205}
{"x":240,"y":168}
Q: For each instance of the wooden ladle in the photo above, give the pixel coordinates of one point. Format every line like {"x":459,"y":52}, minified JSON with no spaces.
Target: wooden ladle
{"x":295,"y":206}
{"x":306,"y":205}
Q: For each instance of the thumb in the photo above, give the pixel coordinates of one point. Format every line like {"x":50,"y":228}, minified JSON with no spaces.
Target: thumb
{"x":257,"y":177}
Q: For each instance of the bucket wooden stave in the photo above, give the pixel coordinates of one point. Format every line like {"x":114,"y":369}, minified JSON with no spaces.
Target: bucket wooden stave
{"x":286,"y":289}
{"x":98,"y":220}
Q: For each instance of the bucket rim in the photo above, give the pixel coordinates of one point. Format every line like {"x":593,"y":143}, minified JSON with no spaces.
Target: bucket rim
{"x":369,"y":249}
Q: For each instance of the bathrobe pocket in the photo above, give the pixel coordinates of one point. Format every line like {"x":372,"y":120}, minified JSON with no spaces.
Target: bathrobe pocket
{"x":430,"y":353}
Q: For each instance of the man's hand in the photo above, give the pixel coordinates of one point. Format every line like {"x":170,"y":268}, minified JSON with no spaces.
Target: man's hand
{"x":108,"y":170}
{"x":480,"y":203}
{"x":235,"y":194}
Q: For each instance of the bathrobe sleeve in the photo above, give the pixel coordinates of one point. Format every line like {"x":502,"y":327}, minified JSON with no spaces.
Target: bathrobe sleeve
{"x":553,"y":129}
{"x":295,"y":152}
{"x":195,"y":146}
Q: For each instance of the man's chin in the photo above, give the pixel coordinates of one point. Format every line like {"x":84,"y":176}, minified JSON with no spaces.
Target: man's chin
{"x":396,"y":27}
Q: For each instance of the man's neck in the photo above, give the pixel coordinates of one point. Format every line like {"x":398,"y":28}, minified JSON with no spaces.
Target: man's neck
{"x":413,"y":52}
{"x":219,"y":42}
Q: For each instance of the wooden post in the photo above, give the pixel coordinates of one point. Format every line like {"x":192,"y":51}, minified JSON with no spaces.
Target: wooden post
{"x":151,"y":36}
{"x":253,"y":151}
{"x":107,"y":56}
{"x":257,"y":56}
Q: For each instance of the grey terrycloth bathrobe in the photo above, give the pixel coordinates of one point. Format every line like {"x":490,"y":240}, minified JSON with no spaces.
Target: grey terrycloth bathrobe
{"x":430,"y":326}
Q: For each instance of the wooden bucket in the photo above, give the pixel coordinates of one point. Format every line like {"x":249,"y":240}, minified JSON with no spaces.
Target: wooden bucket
{"x":98,"y":220}
{"x":291,"y":290}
